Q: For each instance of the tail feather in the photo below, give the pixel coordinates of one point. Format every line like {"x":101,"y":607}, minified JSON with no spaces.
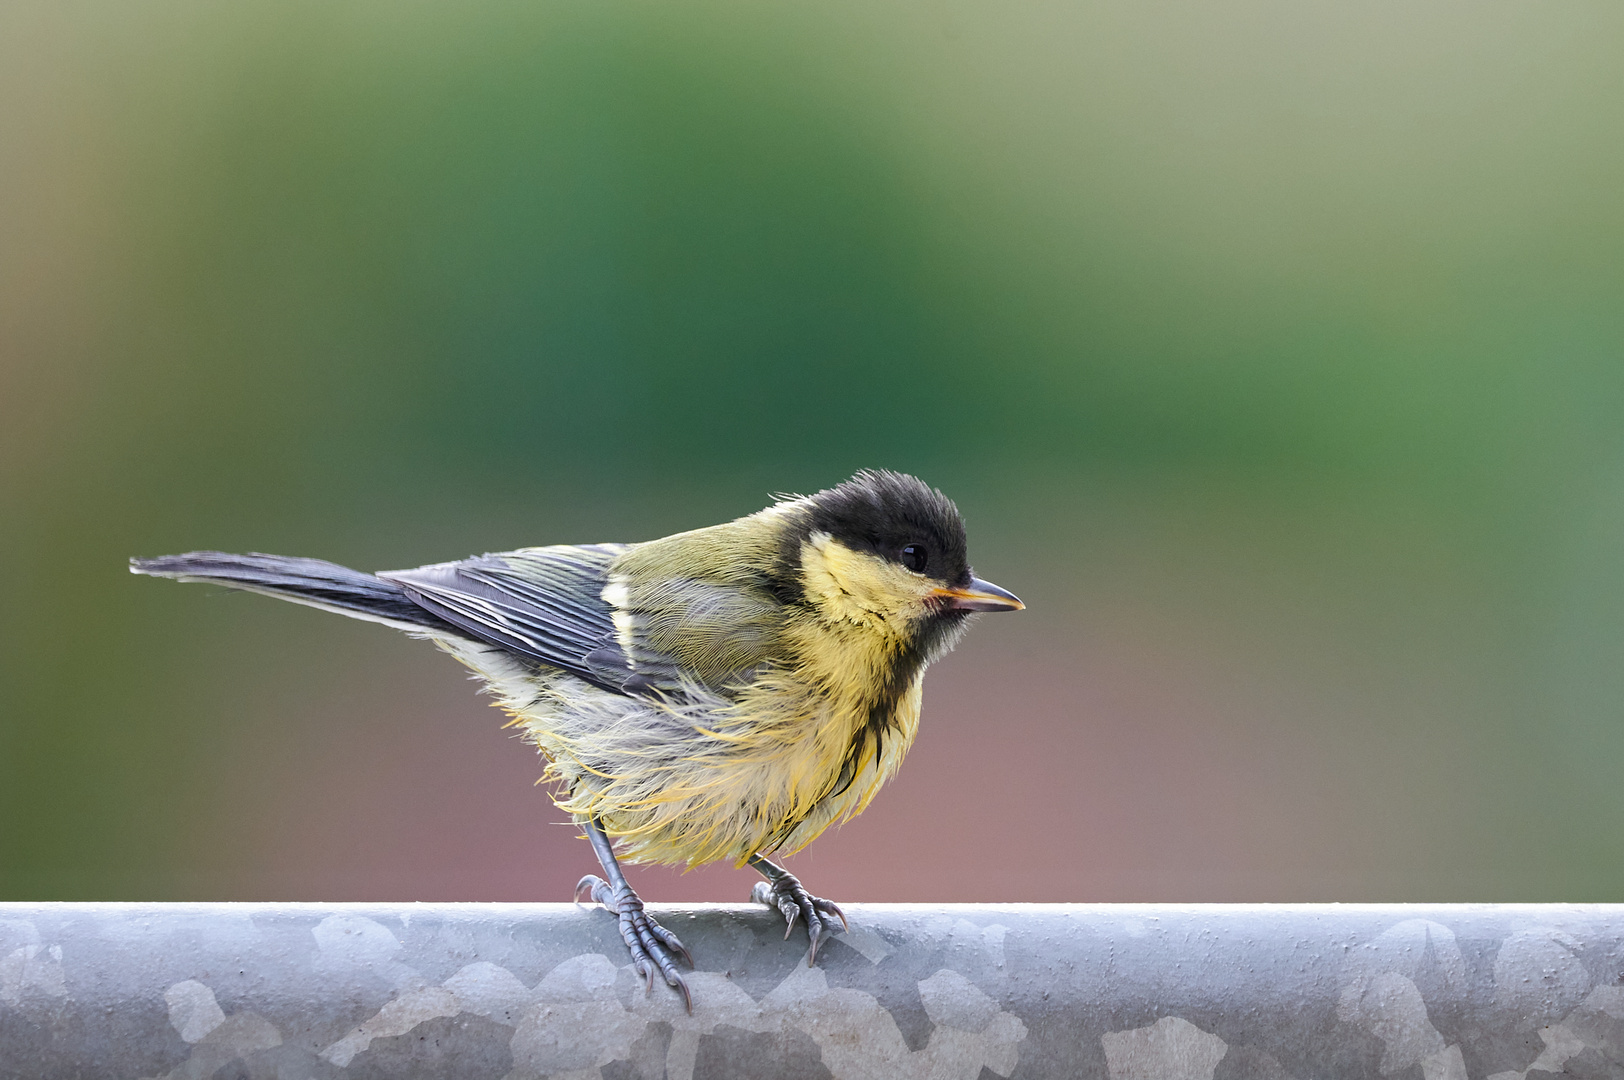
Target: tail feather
{"x":313,"y":582}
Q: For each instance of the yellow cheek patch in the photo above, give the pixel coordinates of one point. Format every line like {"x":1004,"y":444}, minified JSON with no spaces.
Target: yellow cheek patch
{"x":861,"y":588}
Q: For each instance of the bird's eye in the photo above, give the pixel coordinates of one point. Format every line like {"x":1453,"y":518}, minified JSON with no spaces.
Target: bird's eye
{"x":913,"y":557}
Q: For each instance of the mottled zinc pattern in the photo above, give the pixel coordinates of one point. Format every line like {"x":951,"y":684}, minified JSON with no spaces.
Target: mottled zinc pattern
{"x":522,"y":992}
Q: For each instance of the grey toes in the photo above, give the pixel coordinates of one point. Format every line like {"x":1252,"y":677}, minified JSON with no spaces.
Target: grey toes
{"x":796,"y":904}
{"x":651,"y":945}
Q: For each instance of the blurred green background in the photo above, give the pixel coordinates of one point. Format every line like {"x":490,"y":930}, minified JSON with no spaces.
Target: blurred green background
{"x":1274,"y":351}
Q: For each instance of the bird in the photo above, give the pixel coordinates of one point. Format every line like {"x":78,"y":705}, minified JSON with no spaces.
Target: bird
{"x":726,"y":693}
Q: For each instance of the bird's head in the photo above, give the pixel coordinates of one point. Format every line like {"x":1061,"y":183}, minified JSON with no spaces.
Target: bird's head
{"x":886,"y":551}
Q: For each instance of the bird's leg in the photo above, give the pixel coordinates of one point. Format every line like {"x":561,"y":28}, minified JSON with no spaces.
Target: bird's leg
{"x":650,"y":943}
{"x":783,"y":890}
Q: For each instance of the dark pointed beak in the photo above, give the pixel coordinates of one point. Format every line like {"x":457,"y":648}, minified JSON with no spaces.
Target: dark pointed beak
{"x":981,"y":596}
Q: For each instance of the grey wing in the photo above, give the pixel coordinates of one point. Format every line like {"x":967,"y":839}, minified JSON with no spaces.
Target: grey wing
{"x":543,"y":603}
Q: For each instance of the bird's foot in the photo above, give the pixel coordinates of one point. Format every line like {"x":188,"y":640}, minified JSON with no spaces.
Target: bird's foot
{"x":651,"y":944}
{"x":793,"y":901}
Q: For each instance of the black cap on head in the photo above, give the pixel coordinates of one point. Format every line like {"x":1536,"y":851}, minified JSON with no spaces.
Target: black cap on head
{"x":898,"y":517}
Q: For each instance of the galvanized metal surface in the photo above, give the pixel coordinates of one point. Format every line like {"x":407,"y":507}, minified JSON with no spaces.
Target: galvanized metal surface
{"x":1149,"y":992}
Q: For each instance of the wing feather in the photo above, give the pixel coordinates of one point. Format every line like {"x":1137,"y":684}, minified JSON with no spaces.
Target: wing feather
{"x":543,"y":603}
{"x":548,"y":604}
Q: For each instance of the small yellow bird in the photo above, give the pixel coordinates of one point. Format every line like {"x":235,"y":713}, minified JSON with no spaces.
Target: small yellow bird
{"x":724,"y":693}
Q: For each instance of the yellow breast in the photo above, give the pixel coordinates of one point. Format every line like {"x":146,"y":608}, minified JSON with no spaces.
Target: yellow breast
{"x":715,"y":774}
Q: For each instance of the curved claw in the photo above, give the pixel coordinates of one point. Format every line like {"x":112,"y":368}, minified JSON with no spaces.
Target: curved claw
{"x":589,"y":886}
{"x":649,"y":943}
{"x":829,"y":907}
{"x":687,"y":995}
{"x":794,"y":902}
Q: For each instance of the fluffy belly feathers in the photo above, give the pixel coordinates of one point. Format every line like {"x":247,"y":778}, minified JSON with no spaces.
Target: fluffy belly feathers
{"x":711,"y":778}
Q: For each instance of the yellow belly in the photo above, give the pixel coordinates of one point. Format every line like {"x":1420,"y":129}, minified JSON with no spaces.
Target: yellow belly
{"x":736,"y":783}
{"x":715,"y":777}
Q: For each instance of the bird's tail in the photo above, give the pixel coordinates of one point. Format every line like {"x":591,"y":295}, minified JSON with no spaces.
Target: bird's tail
{"x":313,"y":582}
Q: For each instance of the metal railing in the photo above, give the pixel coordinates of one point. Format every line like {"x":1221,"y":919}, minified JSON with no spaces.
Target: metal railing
{"x":1126,"y":992}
